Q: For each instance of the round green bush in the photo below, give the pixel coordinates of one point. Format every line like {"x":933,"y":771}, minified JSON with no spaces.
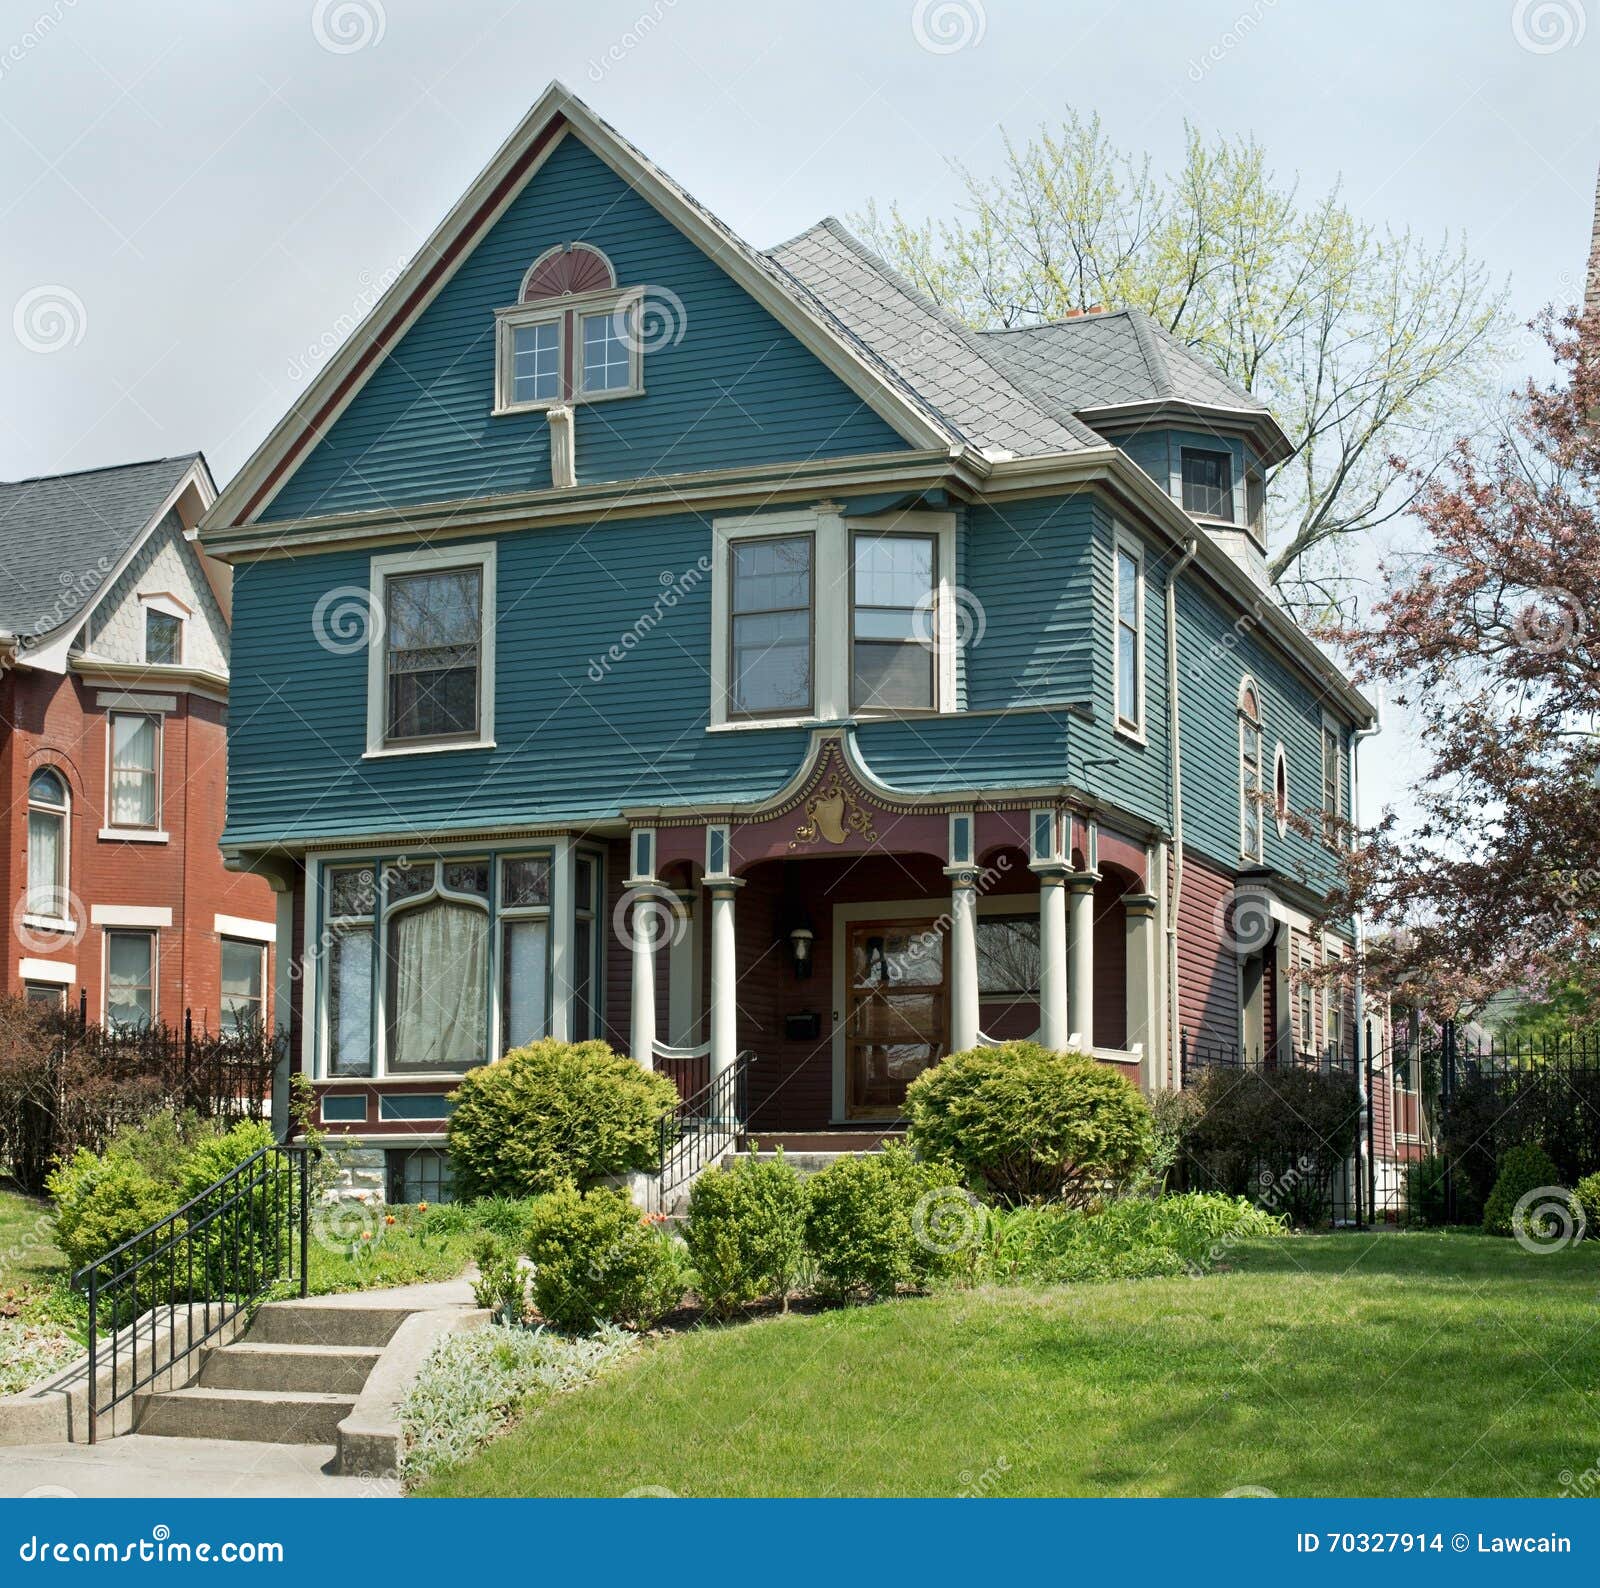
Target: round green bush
{"x":880,"y":1220}
{"x":554,"y":1114}
{"x":1028,"y":1123}
{"x":746,"y":1232}
{"x":1521,"y":1170}
{"x":597,"y":1260}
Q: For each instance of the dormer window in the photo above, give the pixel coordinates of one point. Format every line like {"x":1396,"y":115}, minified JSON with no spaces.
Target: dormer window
{"x":1207,"y":483}
{"x":572,"y":336}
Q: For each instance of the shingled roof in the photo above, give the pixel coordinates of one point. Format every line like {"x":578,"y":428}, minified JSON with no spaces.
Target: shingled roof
{"x":62,"y":535}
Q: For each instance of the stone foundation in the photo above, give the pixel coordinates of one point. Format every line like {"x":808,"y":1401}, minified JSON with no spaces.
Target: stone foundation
{"x":359,"y":1173}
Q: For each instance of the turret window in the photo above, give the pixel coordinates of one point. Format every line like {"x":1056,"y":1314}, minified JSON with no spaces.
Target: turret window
{"x":1207,"y":483}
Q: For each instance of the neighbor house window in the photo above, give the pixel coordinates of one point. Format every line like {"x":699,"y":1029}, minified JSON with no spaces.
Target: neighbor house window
{"x":524,"y":950}
{"x":1129,"y":596}
{"x":1207,"y":483}
{"x":163,"y":637}
{"x":436,"y":966}
{"x":572,"y":336}
{"x":45,"y":994}
{"x":47,"y":845}
{"x":130,"y":980}
{"x":135,"y":769}
{"x":1251,"y":836}
{"x":1008,"y":955}
{"x":892,"y":650}
{"x":430,"y":660}
{"x":1333,"y":782}
{"x":244,"y":981}
{"x":769,"y":631}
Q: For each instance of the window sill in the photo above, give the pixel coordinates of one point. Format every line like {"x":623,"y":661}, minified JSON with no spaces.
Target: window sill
{"x":1134,"y":735}
{"x":746,"y":724}
{"x":576,"y":400}
{"x":48,"y":923}
{"x":134,"y":835}
{"x":389,"y":751}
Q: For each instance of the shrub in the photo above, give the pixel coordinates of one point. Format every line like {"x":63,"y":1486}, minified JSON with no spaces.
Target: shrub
{"x":746,"y":1232}
{"x":103,"y":1201}
{"x":1521,"y":1170}
{"x":1028,"y":1123}
{"x":501,"y":1286}
{"x":240,"y":1231}
{"x":882,"y":1220}
{"x":1586,"y":1198}
{"x":597,"y":1260}
{"x":473,"y":1381}
{"x":1279,"y":1136}
{"x":554,"y":1114}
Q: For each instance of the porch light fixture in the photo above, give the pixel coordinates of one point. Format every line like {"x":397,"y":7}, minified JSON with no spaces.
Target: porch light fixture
{"x":800,"y":941}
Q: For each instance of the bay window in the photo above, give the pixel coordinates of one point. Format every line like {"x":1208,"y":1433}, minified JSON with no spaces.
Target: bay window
{"x":893,"y":587}
{"x":436,"y":967}
{"x":135,"y":792}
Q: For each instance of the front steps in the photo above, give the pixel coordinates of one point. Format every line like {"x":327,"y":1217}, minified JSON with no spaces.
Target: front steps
{"x":291,"y":1380}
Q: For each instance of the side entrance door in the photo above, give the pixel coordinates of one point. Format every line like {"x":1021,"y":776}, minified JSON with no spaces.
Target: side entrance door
{"x":897,"y":1016}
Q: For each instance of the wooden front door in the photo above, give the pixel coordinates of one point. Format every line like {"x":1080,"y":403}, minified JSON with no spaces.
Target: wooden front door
{"x":897,"y":1014}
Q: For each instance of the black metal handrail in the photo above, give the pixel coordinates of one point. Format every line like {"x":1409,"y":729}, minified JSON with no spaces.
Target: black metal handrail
{"x":701,"y":1126}
{"x":215,"y":1256}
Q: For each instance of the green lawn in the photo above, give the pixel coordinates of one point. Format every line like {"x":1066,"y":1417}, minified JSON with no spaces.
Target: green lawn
{"x":1404,"y":1364}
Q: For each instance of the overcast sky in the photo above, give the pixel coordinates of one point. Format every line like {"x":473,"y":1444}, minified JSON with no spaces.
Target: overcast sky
{"x":196,"y":196}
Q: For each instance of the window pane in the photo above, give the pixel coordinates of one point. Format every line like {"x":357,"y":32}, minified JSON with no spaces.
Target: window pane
{"x":434,"y":627}
{"x":46,"y":885}
{"x":1008,"y":954}
{"x":420,"y":1175}
{"x":772,"y":575}
{"x":130,"y":958}
{"x":350,"y":1001}
{"x":586,"y":1016}
{"x":467,"y":876}
{"x":893,"y":677}
{"x":536,"y":362}
{"x":1128,"y":674}
{"x":1127,"y":589}
{"x":606,"y":365}
{"x":438,"y":965}
{"x":163,"y":638}
{"x":1208,"y":483}
{"x":523,"y":974}
{"x":405,"y":882}
{"x":352,"y":891}
{"x":524,"y":883}
{"x":241,"y":984}
{"x":133,"y":771}
{"x":772,"y":662}
{"x":45,"y":788}
{"x":893,"y":570}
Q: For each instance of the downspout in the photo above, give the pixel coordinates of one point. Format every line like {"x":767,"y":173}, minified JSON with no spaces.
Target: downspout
{"x":1364,"y":1165}
{"x":1175,"y":760}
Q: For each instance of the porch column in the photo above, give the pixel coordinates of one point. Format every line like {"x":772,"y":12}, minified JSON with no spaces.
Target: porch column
{"x":1080,"y":987}
{"x":644,"y":928}
{"x":963,"y":958}
{"x":1140,"y":912}
{"x":724,"y":975}
{"x":683,"y":973}
{"x":1054,"y":1029}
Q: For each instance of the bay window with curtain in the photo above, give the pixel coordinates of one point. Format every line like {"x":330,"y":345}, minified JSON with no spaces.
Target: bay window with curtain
{"x":135,"y":780}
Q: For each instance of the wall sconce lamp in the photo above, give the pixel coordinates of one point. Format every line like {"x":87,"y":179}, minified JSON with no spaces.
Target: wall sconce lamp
{"x":800,"y":942}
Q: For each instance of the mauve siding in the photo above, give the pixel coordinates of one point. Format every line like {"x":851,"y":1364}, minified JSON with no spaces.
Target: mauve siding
{"x":734,"y":389}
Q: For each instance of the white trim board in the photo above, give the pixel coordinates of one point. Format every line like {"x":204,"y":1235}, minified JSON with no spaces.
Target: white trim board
{"x":133,"y":915}
{"x":50,"y":970}
{"x":240,"y":926}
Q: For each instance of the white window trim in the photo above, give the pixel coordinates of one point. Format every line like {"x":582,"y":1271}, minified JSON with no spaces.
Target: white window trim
{"x":242,"y":926}
{"x":479,"y":554}
{"x":1247,"y":683}
{"x":133,"y":917}
{"x":155,"y":966}
{"x":831,"y":617}
{"x":153,"y":832}
{"x":544,"y":311}
{"x":1129,"y":726}
{"x":55,"y":971}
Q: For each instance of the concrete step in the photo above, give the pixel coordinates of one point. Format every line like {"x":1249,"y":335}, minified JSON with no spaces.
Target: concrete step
{"x":313,"y":1323}
{"x":289,"y":1369}
{"x":266,"y":1416}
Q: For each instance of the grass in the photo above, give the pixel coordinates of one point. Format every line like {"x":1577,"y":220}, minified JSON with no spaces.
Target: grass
{"x":369,"y":1248}
{"x":40,"y":1329}
{"x":1388,"y":1364}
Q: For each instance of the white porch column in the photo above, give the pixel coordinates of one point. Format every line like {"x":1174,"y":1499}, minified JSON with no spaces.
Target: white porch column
{"x":683,"y":973}
{"x":963,"y":958}
{"x":644,"y":927}
{"x":724,"y":975}
{"x":1080,"y":986}
{"x":563,"y":903}
{"x":1054,"y":1029}
{"x":1140,"y":913}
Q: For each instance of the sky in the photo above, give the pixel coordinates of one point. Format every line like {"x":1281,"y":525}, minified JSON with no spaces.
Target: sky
{"x":198,"y":200}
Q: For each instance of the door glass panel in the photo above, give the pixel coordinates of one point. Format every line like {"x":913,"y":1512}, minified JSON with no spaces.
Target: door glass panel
{"x":897,"y":1015}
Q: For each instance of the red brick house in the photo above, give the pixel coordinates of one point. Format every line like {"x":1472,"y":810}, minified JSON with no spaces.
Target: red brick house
{"x":114,"y":632}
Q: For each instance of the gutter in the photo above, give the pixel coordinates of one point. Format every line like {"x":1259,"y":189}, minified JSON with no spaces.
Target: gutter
{"x":1191,"y":549}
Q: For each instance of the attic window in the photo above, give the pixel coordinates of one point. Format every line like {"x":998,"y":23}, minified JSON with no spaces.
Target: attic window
{"x":572,"y":336}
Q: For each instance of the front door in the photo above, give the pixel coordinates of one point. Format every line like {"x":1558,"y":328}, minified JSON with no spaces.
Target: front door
{"x":897,"y":1015}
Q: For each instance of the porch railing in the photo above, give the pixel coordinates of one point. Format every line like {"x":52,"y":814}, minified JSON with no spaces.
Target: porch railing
{"x":166,"y":1292}
{"x":703,"y":1126}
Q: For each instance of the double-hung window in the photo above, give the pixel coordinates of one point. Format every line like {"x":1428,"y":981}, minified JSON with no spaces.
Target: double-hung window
{"x":431,"y":678}
{"x":130,"y":980}
{"x":47,"y":846}
{"x":894,"y":585}
{"x":1129,"y":662}
{"x":1251,"y":834}
{"x":244,"y":984}
{"x":135,"y":792}
{"x":1207,"y":483}
{"x":770,"y":626}
{"x":1333,"y":781}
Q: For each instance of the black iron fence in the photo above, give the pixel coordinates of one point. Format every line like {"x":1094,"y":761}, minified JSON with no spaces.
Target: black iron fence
{"x":66,"y":1083}
{"x":166,"y":1292}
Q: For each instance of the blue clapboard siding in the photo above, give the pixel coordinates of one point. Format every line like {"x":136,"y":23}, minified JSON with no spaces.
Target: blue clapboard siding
{"x":734,"y":389}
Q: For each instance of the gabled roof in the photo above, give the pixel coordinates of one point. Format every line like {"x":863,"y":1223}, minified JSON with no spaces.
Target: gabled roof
{"x":932,"y":351}
{"x":63,"y":537}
